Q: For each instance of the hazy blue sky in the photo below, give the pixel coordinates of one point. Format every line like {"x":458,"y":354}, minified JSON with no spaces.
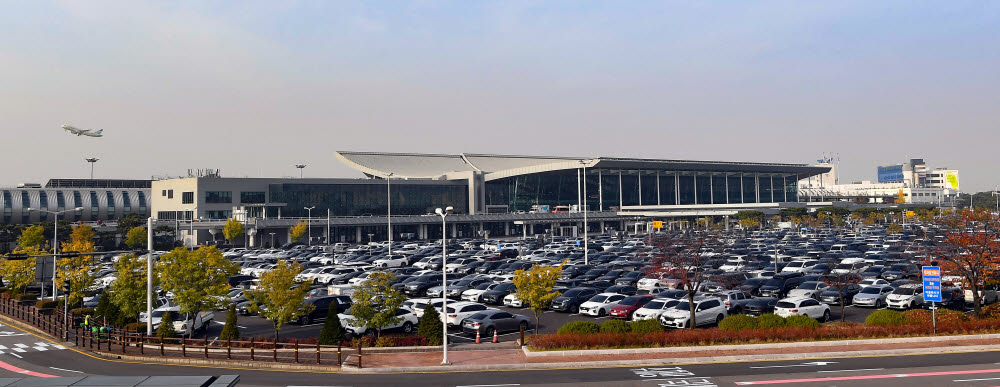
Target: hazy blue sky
{"x":254,"y":87}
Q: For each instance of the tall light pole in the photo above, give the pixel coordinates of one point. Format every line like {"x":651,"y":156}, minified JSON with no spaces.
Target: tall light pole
{"x":55,"y":241}
{"x":586,"y":252}
{"x":309,"y":221}
{"x":191,"y":232}
{"x":300,"y":167}
{"x":272,"y":239}
{"x":149,"y":277}
{"x":388,"y":209}
{"x":92,"y":161}
{"x":444,"y":278}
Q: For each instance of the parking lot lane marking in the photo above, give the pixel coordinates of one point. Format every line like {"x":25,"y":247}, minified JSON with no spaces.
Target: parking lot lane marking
{"x":63,"y":369}
{"x":974,"y":380}
{"x":16,"y":355}
{"x":865,"y":377}
{"x":857,"y":370}
{"x":488,"y":385}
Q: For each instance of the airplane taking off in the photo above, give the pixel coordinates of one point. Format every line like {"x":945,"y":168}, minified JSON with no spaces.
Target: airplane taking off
{"x":83,"y":132}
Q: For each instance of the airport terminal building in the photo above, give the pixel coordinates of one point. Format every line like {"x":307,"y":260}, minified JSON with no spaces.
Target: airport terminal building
{"x":500,"y":195}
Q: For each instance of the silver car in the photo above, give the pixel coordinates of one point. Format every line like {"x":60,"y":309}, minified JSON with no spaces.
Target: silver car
{"x":872,"y":296}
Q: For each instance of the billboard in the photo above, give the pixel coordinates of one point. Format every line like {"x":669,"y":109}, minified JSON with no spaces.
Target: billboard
{"x":890,"y":174}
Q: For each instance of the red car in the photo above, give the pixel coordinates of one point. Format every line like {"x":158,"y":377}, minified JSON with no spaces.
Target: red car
{"x":629,"y":305}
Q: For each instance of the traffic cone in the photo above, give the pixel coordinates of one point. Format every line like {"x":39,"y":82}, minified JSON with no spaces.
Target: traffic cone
{"x":477,"y":337}
{"x":495,"y":338}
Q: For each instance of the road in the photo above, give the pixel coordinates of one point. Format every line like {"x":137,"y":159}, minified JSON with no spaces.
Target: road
{"x":25,"y":355}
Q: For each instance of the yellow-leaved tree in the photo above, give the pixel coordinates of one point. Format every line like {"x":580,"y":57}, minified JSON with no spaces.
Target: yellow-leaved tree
{"x":298,"y":231}
{"x":232,"y":230}
{"x":136,"y":237}
{"x":19,"y":273}
{"x":128,"y":292}
{"x":74,"y":271}
{"x":199,"y":279}
{"x":534,"y":287}
{"x":280,"y":297}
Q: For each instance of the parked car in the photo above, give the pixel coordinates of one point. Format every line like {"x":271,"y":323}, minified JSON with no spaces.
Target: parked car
{"x":654,"y":308}
{"x":321,"y":307}
{"x":833,"y":296}
{"x":760,"y":306}
{"x":906,"y":297}
{"x":734,"y":300}
{"x":459,"y":311}
{"x":600,"y":305}
{"x":810,"y":289}
{"x":352,"y":327}
{"x":802,"y":306}
{"x":707,"y":311}
{"x":625,"y":308}
{"x":570,"y":300}
{"x":489,"y":321}
{"x":951,"y":298}
{"x":872,"y":296}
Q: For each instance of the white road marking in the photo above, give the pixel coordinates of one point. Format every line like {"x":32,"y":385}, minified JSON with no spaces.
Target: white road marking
{"x":222,"y":323}
{"x":857,"y":370}
{"x":810,"y":364}
{"x":63,"y":369}
{"x":974,"y":380}
{"x":19,"y":345}
{"x":16,"y":355}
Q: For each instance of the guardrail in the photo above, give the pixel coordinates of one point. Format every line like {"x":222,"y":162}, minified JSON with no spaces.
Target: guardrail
{"x":117,"y":341}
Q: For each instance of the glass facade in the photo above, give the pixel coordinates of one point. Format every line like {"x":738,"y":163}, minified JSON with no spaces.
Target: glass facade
{"x":25,"y":205}
{"x":94,"y":206}
{"x":111,"y":204}
{"x":368,"y":199}
{"x":218,"y":197}
{"x":6,"y":207}
{"x":253,"y":197}
{"x":126,"y":203}
{"x":627,"y":187}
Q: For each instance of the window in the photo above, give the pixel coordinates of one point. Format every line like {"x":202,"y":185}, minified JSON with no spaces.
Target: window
{"x":43,"y":200}
{"x":94,"y":205}
{"x":253,"y":197}
{"x":218,"y":197}
{"x":111,"y":204}
{"x":142,"y":203}
{"x":25,"y":205}
{"x":170,"y":194}
{"x":166,"y":215}
{"x":60,"y":200}
{"x":6,"y":207}
{"x":126,"y":203}
{"x":225,"y":214}
{"x":163,"y":193}
{"x":187,"y":197}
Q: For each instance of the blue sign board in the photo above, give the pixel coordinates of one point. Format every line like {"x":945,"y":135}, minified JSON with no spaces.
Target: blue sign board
{"x":932,"y":283}
{"x":577,"y":243}
{"x":890,"y":174}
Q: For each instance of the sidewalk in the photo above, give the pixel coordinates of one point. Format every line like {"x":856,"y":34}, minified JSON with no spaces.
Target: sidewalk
{"x":498,"y":359}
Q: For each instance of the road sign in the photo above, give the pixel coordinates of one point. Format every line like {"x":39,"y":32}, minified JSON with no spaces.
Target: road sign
{"x":932,"y":283}
{"x":910,"y":214}
{"x":657,"y":224}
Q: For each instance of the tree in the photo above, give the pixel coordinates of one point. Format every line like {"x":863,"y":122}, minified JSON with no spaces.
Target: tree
{"x":33,"y":236}
{"x":230,"y":331}
{"x":129,"y":289}
{"x":893,"y":229}
{"x":19,"y":273}
{"x":534,"y":287}
{"x":840,"y":282}
{"x":972,"y":250}
{"x":376,"y":302}
{"x":431,"y":328}
{"x":789,"y":213}
{"x":749,"y":223}
{"x":333,"y":330}
{"x":107,"y":309}
{"x":298,"y":231}
{"x":749,"y":219}
{"x":136,"y":238}
{"x":74,"y":272}
{"x":232,"y":230}
{"x":900,"y":196}
{"x":166,"y":328}
{"x":686,"y":265}
{"x":279,"y":297}
{"x":128,"y":222}
{"x":198,"y":279}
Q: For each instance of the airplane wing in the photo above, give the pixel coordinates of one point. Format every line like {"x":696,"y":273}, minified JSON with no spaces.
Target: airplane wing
{"x":72,"y":129}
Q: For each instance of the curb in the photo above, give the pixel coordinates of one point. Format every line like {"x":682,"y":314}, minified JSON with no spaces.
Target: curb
{"x":670,"y":361}
{"x":729,"y":347}
{"x":219,"y":363}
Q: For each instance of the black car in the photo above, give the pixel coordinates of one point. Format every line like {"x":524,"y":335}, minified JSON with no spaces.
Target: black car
{"x":495,"y":296}
{"x":592,"y":274}
{"x":820,"y":269}
{"x":900,"y":271}
{"x":873,"y":271}
{"x":571,"y":299}
{"x":951,"y":298}
{"x":629,"y":279}
{"x":832,"y":296}
{"x":419,"y":286}
{"x":753,"y":285}
{"x":621,"y":289}
{"x":759,"y":306}
{"x":322,"y":307}
{"x":489,"y":266}
{"x":779,"y":285}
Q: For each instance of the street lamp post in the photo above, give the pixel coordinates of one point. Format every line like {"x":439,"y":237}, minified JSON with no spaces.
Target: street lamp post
{"x":300,"y":167}
{"x":149,"y":277}
{"x":55,"y":241}
{"x":272,"y":239}
{"x":444,"y":278}
{"x":309,"y":220}
{"x":92,"y":161}
{"x":388,"y":209}
{"x":586,"y":252}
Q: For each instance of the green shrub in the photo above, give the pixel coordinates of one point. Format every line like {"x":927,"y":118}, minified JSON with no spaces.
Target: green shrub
{"x":614,"y":326}
{"x":333,"y":330}
{"x":579,"y":327}
{"x":801,"y":322}
{"x":884,"y":317}
{"x":46,"y":304}
{"x":645,"y":326}
{"x":81,"y":311}
{"x":430,"y":326}
{"x":25,"y":297}
{"x":166,"y":328}
{"x":135,"y":327}
{"x":770,"y":320}
{"x":230,"y":331}
{"x":738,"y":322}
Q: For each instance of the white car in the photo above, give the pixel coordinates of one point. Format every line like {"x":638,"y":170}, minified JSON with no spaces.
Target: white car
{"x":600,"y":304}
{"x":408,"y":324}
{"x":654,"y":309}
{"x":906,"y":297}
{"x":707,"y":311}
{"x":873,"y":281}
{"x":799,"y":266}
{"x":183,"y":324}
{"x":810,"y":289}
{"x":394,"y":260}
{"x":802,"y":306}
{"x":512,"y":301}
{"x":474,"y":294}
{"x":458,"y":311}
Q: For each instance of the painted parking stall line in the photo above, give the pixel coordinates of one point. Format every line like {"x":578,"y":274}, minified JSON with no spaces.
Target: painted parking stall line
{"x":672,"y":376}
{"x":867,"y":377}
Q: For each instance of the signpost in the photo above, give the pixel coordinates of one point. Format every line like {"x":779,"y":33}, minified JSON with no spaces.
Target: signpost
{"x":932,"y":290}
{"x":657,"y":224}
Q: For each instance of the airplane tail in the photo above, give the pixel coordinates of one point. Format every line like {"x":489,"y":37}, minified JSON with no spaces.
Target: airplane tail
{"x":99,"y":131}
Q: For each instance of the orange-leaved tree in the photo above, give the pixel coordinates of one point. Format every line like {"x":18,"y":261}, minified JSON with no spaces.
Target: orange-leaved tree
{"x":971,"y":250}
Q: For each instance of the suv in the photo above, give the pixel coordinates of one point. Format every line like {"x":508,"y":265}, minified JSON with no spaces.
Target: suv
{"x":802,"y":306}
{"x":735,"y":300}
{"x":322,"y":306}
{"x":419,"y":286}
{"x":779,"y":285}
{"x":906,"y":297}
{"x":707,"y":311}
{"x":570,"y":300}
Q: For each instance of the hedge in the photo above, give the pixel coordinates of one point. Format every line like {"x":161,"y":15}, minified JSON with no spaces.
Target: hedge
{"x":645,"y":326}
{"x":738,"y":322}
{"x":770,"y":320}
{"x":614,"y":326}
{"x":81,"y":311}
{"x":579,"y":327}
{"x":46,"y":304}
{"x":884,"y":317}
{"x":800,"y":321}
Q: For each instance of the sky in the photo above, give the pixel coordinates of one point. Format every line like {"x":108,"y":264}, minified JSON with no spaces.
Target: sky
{"x":254,"y":87}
